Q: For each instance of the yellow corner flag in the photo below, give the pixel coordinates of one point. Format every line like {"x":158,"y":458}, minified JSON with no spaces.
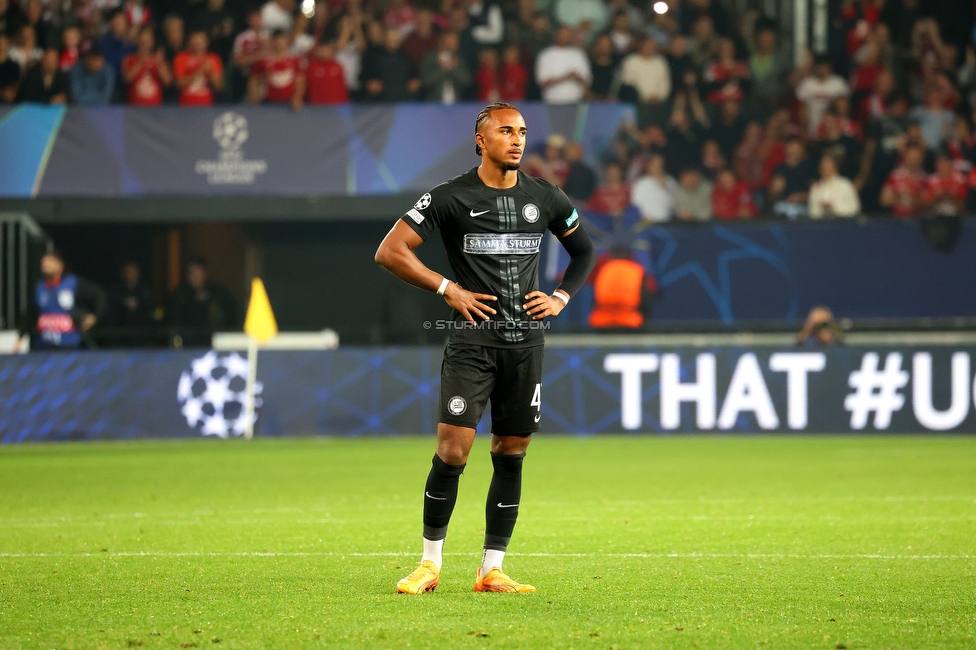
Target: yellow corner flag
{"x":260,"y":321}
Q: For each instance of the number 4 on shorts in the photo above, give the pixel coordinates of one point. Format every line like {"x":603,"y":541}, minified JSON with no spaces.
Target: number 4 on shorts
{"x":537,"y":402}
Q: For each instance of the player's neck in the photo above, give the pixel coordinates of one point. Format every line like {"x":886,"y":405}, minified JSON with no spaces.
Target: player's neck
{"x":497,"y":178}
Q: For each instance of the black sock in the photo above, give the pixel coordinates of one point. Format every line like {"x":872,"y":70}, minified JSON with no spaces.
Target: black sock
{"x":440,"y":496}
{"x":501,"y":510}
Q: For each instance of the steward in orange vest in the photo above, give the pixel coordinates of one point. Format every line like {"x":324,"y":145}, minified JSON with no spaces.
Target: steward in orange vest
{"x":622,"y":292}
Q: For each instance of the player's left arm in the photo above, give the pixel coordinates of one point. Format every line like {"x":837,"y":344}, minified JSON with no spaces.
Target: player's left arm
{"x":582,"y":257}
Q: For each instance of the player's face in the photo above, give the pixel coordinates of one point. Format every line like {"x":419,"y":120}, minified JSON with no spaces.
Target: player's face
{"x":502,"y":138}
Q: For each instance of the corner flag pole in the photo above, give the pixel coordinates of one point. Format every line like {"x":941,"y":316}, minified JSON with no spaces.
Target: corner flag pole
{"x":260,"y":327}
{"x":252,"y":376}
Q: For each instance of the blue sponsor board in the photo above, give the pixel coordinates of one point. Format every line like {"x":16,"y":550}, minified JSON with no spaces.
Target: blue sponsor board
{"x":118,"y":151}
{"x":775,"y":271}
{"x":390,"y":391}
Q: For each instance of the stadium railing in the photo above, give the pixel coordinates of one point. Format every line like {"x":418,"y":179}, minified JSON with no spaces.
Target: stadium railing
{"x":22,"y":241}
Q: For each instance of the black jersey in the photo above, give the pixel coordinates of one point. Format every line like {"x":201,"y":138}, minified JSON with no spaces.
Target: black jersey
{"x":493,"y":238}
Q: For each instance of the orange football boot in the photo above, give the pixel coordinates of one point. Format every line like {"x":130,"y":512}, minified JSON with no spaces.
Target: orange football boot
{"x":423,"y":579}
{"x":497,"y":582}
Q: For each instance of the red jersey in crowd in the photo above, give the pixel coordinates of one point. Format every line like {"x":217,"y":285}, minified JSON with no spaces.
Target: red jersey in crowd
{"x":280,"y":74}
{"x":861,"y":17}
{"x":557,"y":167}
{"x":610,"y":200}
{"x":505,"y":83}
{"x":326,"y":82}
{"x":775,"y":156}
{"x":198,"y":92}
{"x":402,"y":17}
{"x":146,"y":89}
{"x":487,"y":80}
{"x":909,"y":189}
{"x":862,"y":81}
{"x":138,"y":14}
{"x":248,"y":43}
{"x":727,"y":204}
{"x":726,"y":73}
{"x":69,"y":57}
{"x":946,"y":193}
{"x":514,"y":81}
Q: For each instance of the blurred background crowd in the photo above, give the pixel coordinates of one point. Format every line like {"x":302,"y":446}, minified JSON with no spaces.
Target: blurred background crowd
{"x":731,"y":123}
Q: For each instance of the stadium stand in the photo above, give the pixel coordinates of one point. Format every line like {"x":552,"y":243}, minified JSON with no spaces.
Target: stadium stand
{"x":698,"y":71}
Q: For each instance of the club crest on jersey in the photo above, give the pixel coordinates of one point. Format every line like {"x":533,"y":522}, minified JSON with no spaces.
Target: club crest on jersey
{"x":456,"y":405}
{"x":530,"y":212}
{"x":423,"y":202}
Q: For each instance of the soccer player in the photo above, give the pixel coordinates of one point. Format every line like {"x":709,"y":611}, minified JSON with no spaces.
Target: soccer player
{"x":492,"y":220}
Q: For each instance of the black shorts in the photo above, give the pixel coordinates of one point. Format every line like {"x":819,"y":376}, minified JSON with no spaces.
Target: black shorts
{"x":510,"y":377}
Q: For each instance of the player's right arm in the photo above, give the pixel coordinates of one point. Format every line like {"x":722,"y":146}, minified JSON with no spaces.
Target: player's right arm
{"x":396,"y":255}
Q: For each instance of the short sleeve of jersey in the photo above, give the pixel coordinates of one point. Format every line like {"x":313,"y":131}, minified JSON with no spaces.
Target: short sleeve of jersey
{"x":563,"y":216}
{"x":426,"y":214}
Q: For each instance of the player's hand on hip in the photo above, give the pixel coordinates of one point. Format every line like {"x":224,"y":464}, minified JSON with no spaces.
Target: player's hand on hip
{"x":538,"y":305}
{"x":468,"y":304}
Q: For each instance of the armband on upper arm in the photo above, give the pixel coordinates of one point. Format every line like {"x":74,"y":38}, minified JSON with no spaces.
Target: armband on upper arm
{"x":582,"y":258}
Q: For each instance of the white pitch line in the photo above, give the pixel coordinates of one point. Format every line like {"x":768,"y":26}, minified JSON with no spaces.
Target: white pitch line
{"x":733,"y":556}
{"x":542,"y":505}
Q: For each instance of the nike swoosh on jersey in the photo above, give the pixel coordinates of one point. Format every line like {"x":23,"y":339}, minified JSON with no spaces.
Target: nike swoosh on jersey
{"x":509,"y":505}
{"x":538,"y":417}
{"x":478,"y":214}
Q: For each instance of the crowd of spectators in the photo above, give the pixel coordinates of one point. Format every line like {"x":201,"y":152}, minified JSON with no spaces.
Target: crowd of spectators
{"x":881,"y":120}
{"x":729,"y":128}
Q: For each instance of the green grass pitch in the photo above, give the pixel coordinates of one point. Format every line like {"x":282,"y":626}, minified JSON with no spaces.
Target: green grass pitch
{"x":632,"y":542}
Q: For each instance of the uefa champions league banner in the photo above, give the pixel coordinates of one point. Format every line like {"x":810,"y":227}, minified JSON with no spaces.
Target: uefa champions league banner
{"x":391,"y":391}
{"x":115,"y":151}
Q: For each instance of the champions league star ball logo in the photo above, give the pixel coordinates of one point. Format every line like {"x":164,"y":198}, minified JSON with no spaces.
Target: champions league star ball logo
{"x":423,"y":202}
{"x":212,"y":394}
{"x":230,"y":131}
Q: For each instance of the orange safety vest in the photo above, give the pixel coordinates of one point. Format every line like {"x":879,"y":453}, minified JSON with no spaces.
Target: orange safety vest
{"x":617,"y":295}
